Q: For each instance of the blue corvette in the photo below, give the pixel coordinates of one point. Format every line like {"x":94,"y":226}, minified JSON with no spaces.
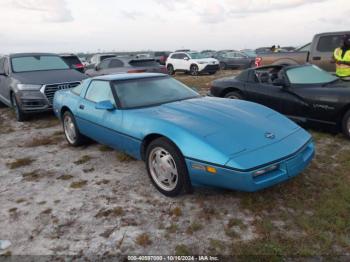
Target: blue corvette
{"x":185,"y":139}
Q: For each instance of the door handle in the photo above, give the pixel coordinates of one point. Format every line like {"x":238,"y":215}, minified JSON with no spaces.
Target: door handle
{"x":316,"y":58}
{"x":81,"y":107}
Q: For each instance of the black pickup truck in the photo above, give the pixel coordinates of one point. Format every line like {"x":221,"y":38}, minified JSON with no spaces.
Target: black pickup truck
{"x":319,"y":52}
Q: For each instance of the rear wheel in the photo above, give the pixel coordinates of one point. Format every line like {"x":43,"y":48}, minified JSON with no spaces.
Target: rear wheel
{"x":346,"y":124}
{"x":71,"y":131}
{"x":170,"y":69}
{"x":233,"y":95}
{"x":194,"y":70}
{"x":166,"y":167}
{"x":20,"y":115}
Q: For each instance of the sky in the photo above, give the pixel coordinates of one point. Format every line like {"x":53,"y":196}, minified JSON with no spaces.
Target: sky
{"x":133,"y":25}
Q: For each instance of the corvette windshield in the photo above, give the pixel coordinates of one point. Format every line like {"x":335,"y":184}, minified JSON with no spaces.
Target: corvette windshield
{"x":197,"y":55}
{"x":309,"y":75}
{"x":38,"y":63}
{"x":151,"y":91}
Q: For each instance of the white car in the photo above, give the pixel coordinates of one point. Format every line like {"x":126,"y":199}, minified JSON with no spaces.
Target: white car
{"x":192,"y":62}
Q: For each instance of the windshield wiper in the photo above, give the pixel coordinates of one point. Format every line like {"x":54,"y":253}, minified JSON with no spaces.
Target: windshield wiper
{"x":332,"y":82}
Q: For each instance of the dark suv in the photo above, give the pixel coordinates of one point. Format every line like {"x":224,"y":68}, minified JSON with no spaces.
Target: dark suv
{"x":28,"y":81}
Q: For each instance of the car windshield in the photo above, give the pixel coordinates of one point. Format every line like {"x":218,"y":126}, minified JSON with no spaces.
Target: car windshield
{"x":151,"y":91}
{"x":197,"y":55}
{"x":250,"y":53}
{"x":309,"y":75}
{"x":37,"y":63}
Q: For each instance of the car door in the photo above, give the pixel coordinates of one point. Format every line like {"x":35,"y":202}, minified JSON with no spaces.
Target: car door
{"x":323,"y":49}
{"x":184,"y":62}
{"x":265,"y":93}
{"x":5,"y":81}
{"x":101,"y":125}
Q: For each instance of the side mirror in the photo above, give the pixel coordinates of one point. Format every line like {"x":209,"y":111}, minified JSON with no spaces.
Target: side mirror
{"x":279,"y":82}
{"x":186,"y":58}
{"x":97,"y":67}
{"x":105,"y":105}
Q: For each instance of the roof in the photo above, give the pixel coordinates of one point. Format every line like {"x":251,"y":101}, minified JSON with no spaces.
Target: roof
{"x":32,"y":54}
{"x":117,"y":77}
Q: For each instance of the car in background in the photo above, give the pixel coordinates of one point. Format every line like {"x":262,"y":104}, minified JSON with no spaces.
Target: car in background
{"x":306,"y":93}
{"x":263,"y":50}
{"x":98,"y":58}
{"x":234,"y":60}
{"x":208,"y":53}
{"x":319,"y":52}
{"x":28,"y":81}
{"x":249,"y":52}
{"x":117,"y":65}
{"x":185,"y":139}
{"x":73,"y":62}
{"x":161,"y":56}
{"x":183,"y":50}
{"x":144,"y":55}
{"x":191,"y":62}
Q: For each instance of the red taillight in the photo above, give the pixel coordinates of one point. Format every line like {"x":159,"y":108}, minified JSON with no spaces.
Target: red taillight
{"x":136,"y":71}
{"x":258,"y":61}
{"x":79,"y":66}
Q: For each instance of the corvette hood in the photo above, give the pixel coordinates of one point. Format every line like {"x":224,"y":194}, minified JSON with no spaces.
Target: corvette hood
{"x":230,"y":126}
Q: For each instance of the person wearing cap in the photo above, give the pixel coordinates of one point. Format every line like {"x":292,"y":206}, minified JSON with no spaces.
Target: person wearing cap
{"x":342,"y":58}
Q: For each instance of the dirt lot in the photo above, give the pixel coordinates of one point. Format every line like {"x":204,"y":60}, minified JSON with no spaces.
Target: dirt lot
{"x":86,"y":201}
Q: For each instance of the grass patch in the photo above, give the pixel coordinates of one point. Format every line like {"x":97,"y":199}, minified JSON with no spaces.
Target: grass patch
{"x":175,"y":212}
{"x":182,"y":250}
{"x":104,"y":148}
{"x":172,"y":228}
{"x":194,"y":227}
{"x":42,"y":141}
{"x":32,"y":176}
{"x":20,"y":162}
{"x":122,"y":157}
{"x":65,"y":177}
{"x":84,"y":159}
{"x":78,"y":184}
{"x":143,"y":240}
{"x":114,"y":212}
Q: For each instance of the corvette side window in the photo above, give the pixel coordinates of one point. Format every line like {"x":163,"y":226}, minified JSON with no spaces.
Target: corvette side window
{"x":99,"y":91}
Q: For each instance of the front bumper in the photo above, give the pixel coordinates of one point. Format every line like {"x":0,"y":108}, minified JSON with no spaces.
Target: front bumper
{"x":210,"y":69}
{"x":33,"y":101}
{"x":245,"y":180}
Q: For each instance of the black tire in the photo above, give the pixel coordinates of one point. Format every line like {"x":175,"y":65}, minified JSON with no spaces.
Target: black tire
{"x":20,"y":115}
{"x":234,"y":95}
{"x":223,"y":66}
{"x":194,"y":70}
{"x":183,"y":183}
{"x":78,"y":139}
{"x":346,"y":124}
{"x":171,"y":70}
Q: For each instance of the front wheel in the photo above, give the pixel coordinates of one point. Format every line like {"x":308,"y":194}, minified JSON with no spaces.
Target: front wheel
{"x":223,"y":66}
{"x":166,"y":167}
{"x":346,"y":124}
{"x":233,"y":95}
{"x":194,"y":70}
{"x":71,"y":131}
{"x":20,"y":115}
{"x":170,"y":69}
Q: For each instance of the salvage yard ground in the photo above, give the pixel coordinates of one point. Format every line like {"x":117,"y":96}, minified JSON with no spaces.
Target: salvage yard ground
{"x":59,"y":200}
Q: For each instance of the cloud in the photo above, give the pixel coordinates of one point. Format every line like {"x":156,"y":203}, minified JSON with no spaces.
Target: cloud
{"x":210,"y":11}
{"x":55,"y":11}
{"x":133,"y":15}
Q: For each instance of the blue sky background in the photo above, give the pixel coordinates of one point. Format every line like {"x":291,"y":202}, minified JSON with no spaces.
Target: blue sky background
{"x":126,"y":25}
